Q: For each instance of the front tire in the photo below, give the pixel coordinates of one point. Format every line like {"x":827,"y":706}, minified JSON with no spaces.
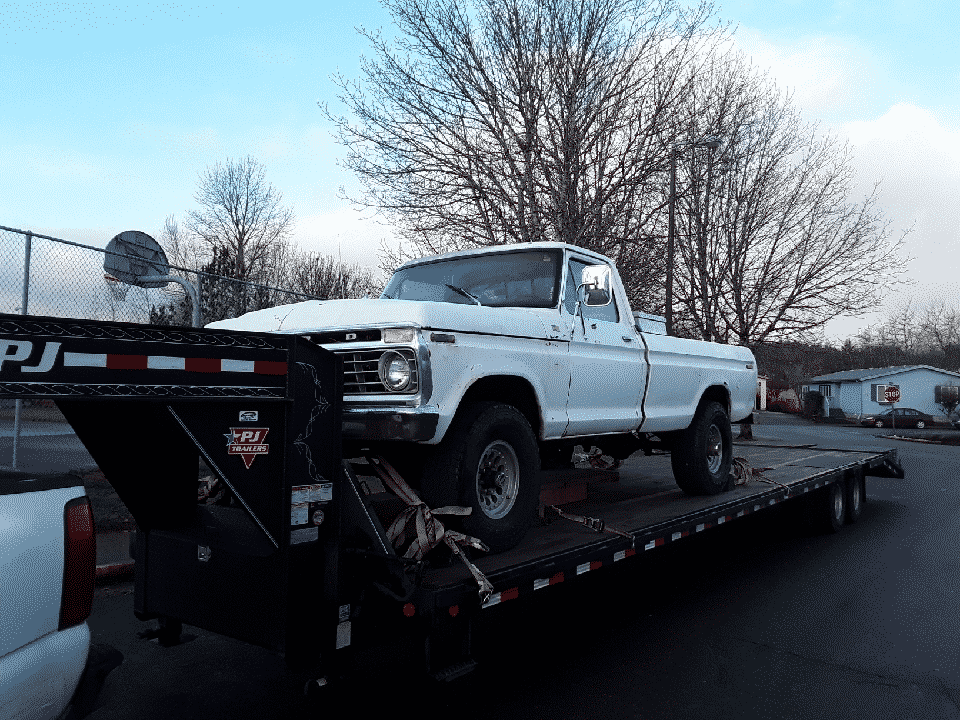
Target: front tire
{"x":921,"y":424}
{"x":702,"y":454}
{"x":489,"y":461}
{"x":878,"y":423}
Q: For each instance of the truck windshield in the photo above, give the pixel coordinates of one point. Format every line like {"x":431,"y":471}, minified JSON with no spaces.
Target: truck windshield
{"x":515,"y":279}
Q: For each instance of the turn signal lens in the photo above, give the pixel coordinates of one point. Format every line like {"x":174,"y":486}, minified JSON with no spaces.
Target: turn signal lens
{"x":399,"y":335}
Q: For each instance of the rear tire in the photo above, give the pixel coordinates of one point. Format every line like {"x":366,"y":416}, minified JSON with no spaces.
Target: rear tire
{"x":489,"y":461}
{"x":833,"y":507}
{"x":702,"y":454}
{"x":856,"y":496}
{"x":921,"y":424}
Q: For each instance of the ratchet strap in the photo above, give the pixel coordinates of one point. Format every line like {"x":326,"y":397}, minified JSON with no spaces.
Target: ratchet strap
{"x":419,"y":525}
{"x":743,"y":473}
{"x":593,"y":523}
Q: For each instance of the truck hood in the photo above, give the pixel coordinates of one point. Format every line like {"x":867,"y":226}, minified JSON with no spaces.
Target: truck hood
{"x":316,"y":315}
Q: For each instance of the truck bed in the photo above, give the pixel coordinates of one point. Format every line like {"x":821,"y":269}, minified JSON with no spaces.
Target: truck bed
{"x":642,"y":502}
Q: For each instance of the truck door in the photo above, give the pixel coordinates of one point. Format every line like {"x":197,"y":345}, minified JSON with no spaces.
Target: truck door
{"x":606,"y":364}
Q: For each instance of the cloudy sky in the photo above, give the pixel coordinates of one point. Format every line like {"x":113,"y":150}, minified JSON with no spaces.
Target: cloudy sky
{"x":111,"y":111}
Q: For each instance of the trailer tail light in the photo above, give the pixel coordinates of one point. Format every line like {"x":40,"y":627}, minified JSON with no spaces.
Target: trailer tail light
{"x":79,"y":562}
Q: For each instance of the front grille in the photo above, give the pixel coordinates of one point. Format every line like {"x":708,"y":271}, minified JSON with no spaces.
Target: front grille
{"x":360,"y":376}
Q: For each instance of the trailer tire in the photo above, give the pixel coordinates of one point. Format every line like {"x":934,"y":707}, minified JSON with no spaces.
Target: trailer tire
{"x":701,"y":455}
{"x":489,"y":461}
{"x":834,"y":507}
{"x":856,"y":496}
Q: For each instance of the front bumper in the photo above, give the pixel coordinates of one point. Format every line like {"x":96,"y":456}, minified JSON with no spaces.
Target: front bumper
{"x":408,"y":424}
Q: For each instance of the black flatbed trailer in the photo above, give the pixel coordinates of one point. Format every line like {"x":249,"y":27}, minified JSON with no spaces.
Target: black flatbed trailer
{"x":299,"y":554}
{"x":641,"y":509}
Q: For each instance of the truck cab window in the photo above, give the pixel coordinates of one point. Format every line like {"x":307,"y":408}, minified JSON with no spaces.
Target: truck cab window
{"x":574,"y":271}
{"x":527,"y":279}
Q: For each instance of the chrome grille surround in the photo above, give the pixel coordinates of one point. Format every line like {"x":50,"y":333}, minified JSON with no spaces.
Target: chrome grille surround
{"x":360,"y":376}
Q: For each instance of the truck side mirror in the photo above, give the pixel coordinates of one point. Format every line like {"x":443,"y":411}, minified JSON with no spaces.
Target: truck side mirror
{"x":596,"y":285}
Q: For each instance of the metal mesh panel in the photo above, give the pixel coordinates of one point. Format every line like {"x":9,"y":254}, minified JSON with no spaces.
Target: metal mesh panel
{"x":66,"y":279}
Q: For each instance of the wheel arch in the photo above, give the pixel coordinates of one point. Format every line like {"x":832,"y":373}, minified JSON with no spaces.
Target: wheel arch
{"x":509,"y":390}
{"x":716,"y":393}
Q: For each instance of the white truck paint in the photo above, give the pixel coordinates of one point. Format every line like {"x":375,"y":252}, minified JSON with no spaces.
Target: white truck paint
{"x":40,"y":662}
{"x":512,"y":325}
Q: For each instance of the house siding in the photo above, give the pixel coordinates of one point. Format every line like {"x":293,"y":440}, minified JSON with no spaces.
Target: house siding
{"x":848,"y":398}
{"x":916,"y":391}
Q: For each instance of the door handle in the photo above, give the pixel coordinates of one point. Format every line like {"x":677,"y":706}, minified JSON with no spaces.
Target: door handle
{"x":627,"y":338}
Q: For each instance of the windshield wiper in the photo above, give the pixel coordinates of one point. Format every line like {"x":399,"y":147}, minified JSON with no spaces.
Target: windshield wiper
{"x":463,"y":292}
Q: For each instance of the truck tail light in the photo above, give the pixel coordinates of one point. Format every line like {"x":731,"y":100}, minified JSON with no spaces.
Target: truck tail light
{"x":79,"y":562}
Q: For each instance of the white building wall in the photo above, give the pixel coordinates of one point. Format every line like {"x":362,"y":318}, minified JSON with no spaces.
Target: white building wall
{"x":848,"y":398}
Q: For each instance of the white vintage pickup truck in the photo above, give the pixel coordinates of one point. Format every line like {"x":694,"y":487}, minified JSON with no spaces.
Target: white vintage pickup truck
{"x":476,"y":368}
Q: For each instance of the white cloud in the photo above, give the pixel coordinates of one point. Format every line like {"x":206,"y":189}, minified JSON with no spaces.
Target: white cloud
{"x":911,"y":150}
{"x":828,"y":75}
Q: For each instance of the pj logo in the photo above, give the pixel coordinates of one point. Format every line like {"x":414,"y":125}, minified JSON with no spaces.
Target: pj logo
{"x":247,"y":442}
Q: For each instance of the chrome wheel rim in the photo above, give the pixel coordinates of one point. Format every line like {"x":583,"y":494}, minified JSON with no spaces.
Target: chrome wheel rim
{"x":714,"y":449}
{"x":498,"y":479}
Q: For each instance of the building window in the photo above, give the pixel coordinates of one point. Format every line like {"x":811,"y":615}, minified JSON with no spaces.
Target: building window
{"x":825,"y":390}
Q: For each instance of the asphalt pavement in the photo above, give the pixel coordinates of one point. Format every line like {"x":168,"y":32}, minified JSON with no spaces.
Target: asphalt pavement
{"x":758,"y":619}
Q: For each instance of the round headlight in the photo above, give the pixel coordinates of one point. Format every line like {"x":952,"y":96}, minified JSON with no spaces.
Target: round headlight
{"x":395,"y":371}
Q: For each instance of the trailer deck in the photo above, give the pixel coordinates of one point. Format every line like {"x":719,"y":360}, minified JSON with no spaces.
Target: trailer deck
{"x":642,"y":509}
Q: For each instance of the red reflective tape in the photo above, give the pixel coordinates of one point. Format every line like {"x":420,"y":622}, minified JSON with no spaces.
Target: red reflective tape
{"x":684,"y":533}
{"x":658,"y":542}
{"x":269,"y":367}
{"x":208,"y":365}
{"x":595,"y":564}
{"x":629,"y":553}
{"x":126,"y":362}
{"x":510,"y":594}
{"x":558,"y":578}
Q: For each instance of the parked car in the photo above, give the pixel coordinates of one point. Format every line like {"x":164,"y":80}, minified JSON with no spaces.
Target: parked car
{"x":899,"y":417}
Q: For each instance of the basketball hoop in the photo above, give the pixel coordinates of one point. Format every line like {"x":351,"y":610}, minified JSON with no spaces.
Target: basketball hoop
{"x":117,"y":288}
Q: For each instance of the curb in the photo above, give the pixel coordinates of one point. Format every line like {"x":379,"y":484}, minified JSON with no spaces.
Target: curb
{"x":116,"y":572}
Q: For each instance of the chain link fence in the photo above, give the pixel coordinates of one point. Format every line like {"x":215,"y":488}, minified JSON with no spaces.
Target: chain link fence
{"x":43,"y":275}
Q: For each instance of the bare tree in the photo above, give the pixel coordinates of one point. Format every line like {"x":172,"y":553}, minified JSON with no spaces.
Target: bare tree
{"x":785,"y":248}
{"x":328,"y":278}
{"x":241,"y":216}
{"x":500,"y":121}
